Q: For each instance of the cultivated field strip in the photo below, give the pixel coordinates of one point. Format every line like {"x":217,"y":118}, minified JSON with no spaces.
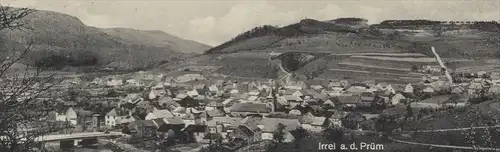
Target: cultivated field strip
{"x":402,"y":59}
{"x":360,"y":65}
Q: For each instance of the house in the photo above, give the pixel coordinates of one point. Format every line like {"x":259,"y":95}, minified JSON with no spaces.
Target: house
{"x":66,"y":115}
{"x":317,"y":87}
{"x":474,"y":88}
{"x":170,"y":123}
{"x":252,"y":98}
{"x":408,"y":88}
{"x":312,"y":123}
{"x":189,"y":102}
{"x":248,"y":131}
{"x":217,"y":112}
{"x":335,"y":84}
{"x":295,"y":112}
{"x":428,"y":89}
{"x":357,"y":88}
{"x":249,"y":108}
{"x":197,"y":133}
{"x":114,"y":82}
{"x":328,"y":104}
{"x":113,"y":116}
{"x":293,"y":92}
{"x":213,"y":89}
{"x":366,"y":99}
{"x":132,"y":98}
{"x":494,"y":90}
{"x":349,"y":101}
{"x":144,"y":105}
{"x":97,"y":82}
{"x":293,"y":100}
{"x":481,"y":73}
{"x":159,"y":114}
{"x":192,"y":93}
{"x":335,"y":120}
{"x":168,"y":102}
{"x":127,"y":120}
{"x":390,"y":89}
{"x":353,"y":120}
{"x":157,"y":91}
{"x":143,"y":128}
{"x":222,"y":124}
{"x":396,"y":99}
{"x":254,"y":92}
{"x":314,"y":94}
{"x":134,"y":83}
{"x":269,"y":126}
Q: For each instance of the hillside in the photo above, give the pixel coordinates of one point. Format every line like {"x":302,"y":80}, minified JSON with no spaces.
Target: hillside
{"x":348,"y":48}
{"x":59,"y":40}
{"x":157,"y":38}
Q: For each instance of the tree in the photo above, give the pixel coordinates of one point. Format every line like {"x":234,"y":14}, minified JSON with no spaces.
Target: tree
{"x":301,"y":133}
{"x":23,"y":113}
{"x":414,"y":68}
{"x":333,"y":134}
{"x":279,"y":135}
{"x":409,"y":111}
{"x":112,"y":93}
{"x":126,"y":130}
{"x":386,"y":124}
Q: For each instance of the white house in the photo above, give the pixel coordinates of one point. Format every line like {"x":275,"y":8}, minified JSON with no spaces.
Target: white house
{"x":97,"y":81}
{"x":114,"y":82}
{"x":69,"y":116}
{"x":293,"y":92}
{"x":112,"y":118}
{"x":474,"y":88}
{"x":312,"y":123}
{"x":133,"y":98}
{"x":390,"y":89}
{"x":408,"y":88}
{"x":134,"y":82}
{"x":295,"y":112}
{"x":158,"y":114}
{"x":396,"y":99}
{"x":428,"y":90}
{"x":213,"y":89}
{"x":192,"y":93}
{"x":316,"y":87}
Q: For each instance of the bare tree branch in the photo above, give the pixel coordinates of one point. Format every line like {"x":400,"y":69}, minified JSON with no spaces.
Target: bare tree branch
{"x":24,"y":108}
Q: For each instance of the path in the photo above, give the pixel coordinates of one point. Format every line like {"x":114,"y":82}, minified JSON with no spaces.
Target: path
{"x":455,"y":129}
{"x":446,"y":146}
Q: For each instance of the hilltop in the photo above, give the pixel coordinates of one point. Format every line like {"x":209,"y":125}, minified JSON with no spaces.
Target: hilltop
{"x":349,"y":48}
{"x":60,"y":40}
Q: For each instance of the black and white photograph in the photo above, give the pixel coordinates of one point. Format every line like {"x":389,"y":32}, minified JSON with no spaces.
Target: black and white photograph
{"x":249,"y":75}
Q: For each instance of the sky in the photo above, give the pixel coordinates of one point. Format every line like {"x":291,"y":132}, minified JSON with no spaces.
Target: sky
{"x":215,"y":21}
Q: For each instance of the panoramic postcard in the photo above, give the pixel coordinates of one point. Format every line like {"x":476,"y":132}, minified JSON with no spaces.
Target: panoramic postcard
{"x":249,"y":75}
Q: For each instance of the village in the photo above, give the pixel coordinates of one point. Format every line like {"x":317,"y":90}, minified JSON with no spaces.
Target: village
{"x":193,"y":109}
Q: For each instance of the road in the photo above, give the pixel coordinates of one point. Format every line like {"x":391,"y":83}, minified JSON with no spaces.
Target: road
{"x":445,"y":146}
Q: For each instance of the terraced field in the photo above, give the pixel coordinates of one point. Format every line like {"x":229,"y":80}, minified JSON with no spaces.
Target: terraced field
{"x":383,"y":67}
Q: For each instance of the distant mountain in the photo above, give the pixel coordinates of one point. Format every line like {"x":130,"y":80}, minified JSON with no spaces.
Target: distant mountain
{"x":157,"y":38}
{"x":349,"y":48}
{"x":60,"y":40}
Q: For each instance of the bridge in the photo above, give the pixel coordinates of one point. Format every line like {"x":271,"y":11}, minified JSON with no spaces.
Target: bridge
{"x":84,"y":135}
{"x":85,"y":138}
